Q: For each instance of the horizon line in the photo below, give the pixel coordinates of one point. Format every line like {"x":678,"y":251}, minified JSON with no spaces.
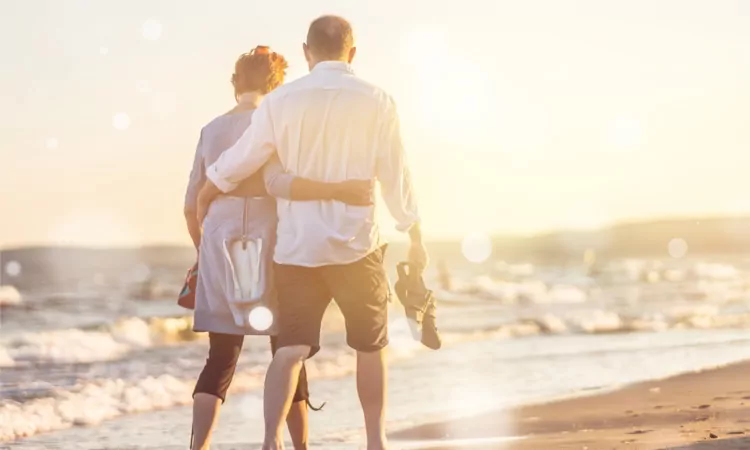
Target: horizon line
{"x":444,"y":239}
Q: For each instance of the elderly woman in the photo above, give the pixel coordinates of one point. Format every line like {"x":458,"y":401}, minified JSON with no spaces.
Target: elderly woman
{"x":250,"y":210}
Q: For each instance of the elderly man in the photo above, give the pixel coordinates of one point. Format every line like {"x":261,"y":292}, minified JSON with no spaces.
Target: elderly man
{"x":329,"y":125}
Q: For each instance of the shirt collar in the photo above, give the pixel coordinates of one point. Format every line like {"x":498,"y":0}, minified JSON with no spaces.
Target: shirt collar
{"x":338,"y":66}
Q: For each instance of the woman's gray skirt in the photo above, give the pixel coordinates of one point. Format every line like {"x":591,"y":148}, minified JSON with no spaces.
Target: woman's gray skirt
{"x":219,"y":307}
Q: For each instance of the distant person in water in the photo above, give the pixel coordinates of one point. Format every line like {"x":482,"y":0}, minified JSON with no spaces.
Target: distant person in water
{"x":249,"y":208}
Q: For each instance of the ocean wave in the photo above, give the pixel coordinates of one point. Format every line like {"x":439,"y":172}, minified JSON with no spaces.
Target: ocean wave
{"x":96,"y":401}
{"x":512,"y":292}
{"x":602,"y":321}
{"x":718,"y":283}
{"x":516,"y":270}
{"x":585,"y":315}
{"x":93,"y":401}
{"x":583,"y":319}
{"x":84,"y":346}
{"x":715,"y":271}
{"x":90,"y":404}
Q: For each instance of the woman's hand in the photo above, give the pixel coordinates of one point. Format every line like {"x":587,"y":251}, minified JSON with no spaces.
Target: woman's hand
{"x":207,"y":195}
{"x":355,"y":192}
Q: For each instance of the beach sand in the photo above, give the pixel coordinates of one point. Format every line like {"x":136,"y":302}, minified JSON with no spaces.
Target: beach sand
{"x":696,"y":411}
{"x":676,"y":413}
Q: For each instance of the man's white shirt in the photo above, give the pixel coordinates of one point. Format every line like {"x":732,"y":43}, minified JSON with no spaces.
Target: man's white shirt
{"x":326,"y":126}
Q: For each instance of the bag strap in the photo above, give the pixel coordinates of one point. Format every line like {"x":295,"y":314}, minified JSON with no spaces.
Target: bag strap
{"x":244,"y":224}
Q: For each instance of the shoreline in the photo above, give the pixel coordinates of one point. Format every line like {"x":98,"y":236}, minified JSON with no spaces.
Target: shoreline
{"x":505,"y":378}
{"x":708,"y":409}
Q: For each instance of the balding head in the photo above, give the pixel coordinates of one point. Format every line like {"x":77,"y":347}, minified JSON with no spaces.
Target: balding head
{"x":330,"y":38}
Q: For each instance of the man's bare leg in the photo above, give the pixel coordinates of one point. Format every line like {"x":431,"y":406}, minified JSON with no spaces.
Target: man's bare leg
{"x":206,"y":409}
{"x":205,"y":414}
{"x":296,"y":421}
{"x":281,"y":383}
{"x":372,"y":369}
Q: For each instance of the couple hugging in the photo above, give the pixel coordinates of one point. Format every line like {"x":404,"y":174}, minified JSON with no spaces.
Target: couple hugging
{"x":282,"y":189}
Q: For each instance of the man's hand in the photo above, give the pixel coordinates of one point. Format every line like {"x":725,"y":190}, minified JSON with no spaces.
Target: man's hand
{"x":417,"y":251}
{"x":418,"y":255}
{"x":354,"y":192}
{"x":207,"y":195}
{"x":202,"y":211}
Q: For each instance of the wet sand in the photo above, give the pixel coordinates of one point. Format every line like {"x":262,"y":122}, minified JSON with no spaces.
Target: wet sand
{"x":704,"y":410}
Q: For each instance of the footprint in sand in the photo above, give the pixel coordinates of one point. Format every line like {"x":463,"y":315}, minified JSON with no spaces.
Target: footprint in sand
{"x":640,"y":431}
{"x":703,"y":407}
{"x":735,"y":433}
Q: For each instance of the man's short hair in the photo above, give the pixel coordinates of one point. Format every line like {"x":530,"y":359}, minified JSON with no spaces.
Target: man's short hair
{"x":330,"y":37}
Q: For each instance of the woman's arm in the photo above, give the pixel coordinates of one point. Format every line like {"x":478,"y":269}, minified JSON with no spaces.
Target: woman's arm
{"x":283,"y":185}
{"x":197,"y":180}
{"x":194,"y":228}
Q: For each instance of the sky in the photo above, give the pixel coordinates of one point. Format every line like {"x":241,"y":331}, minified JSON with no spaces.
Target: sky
{"x":519,"y":117}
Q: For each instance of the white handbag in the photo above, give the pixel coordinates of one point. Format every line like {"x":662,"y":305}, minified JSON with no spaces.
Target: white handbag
{"x":247,"y":262}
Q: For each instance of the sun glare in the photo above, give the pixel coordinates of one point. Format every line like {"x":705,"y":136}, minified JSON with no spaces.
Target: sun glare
{"x":151,"y":29}
{"x":121,"y":121}
{"x":451,"y":97}
{"x":260,"y":318}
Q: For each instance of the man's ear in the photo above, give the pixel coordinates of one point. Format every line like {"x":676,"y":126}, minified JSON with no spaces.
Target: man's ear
{"x":234,"y":85}
{"x":352,"y":53}
{"x":306,"y":50}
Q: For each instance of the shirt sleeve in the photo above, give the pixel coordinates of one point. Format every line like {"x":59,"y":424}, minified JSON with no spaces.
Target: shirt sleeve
{"x":197,"y":177}
{"x":248,"y":154}
{"x":278,"y":182}
{"x":393,"y":172}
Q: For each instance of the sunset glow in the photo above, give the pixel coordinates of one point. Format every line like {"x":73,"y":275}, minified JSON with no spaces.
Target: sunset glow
{"x":527,"y":122}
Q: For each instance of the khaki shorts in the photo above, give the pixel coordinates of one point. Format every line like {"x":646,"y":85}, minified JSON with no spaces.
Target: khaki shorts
{"x":360,"y":290}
